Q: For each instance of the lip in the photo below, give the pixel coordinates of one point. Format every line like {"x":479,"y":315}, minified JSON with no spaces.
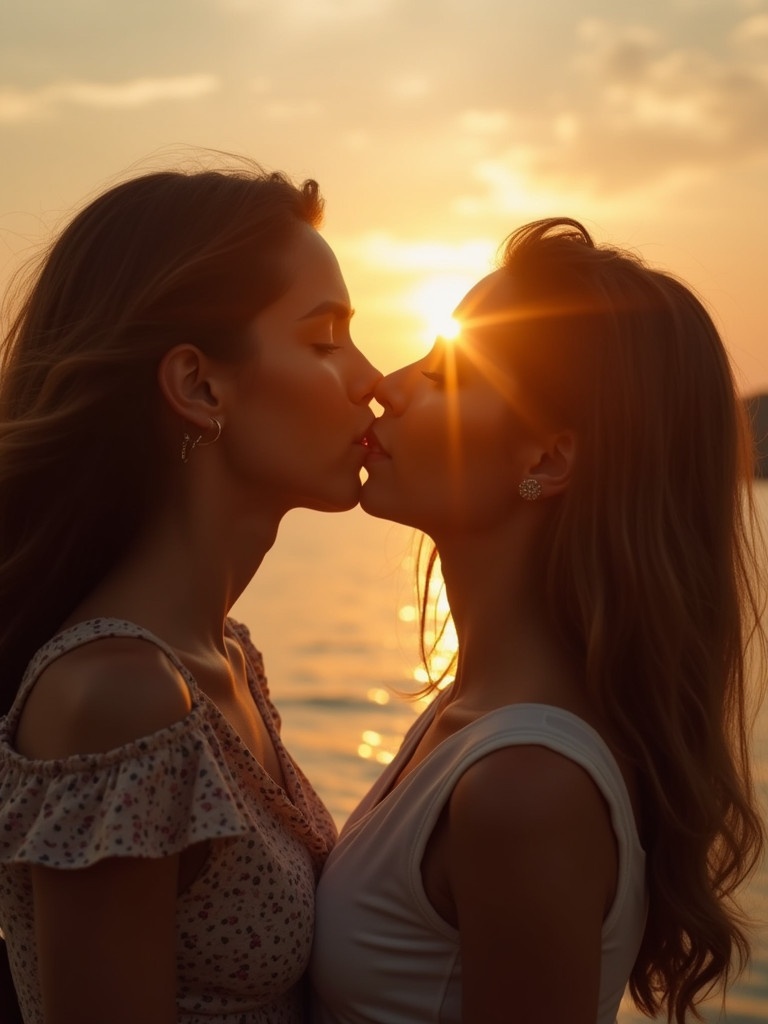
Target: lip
{"x":373,"y":446}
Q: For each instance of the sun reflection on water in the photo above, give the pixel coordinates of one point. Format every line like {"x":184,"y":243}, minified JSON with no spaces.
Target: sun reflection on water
{"x":372,"y":748}
{"x":378,"y":696}
{"x":441,"y":640}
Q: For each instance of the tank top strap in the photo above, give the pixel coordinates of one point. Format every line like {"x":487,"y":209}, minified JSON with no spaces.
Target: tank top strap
{"x":559,"y":730}
{"x":86,"y":632}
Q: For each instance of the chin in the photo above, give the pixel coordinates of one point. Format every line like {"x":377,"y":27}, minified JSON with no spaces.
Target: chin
{"x":336,"y":503}
{"x":374,"y":508}
{"x":378,"y":506}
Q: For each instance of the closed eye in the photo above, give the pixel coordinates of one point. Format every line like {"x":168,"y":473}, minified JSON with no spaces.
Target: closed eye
{"x":326,"y":348}
{"x":438,"y":378}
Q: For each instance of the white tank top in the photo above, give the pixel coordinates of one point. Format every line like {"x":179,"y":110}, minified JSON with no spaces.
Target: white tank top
{"x":382,"y":954}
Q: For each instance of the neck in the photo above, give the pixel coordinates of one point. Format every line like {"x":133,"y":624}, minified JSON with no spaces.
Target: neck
{"x":509,"y":650}
{"x":185,"y":571}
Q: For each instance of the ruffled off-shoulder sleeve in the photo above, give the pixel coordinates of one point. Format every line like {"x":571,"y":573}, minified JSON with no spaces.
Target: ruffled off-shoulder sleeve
{"x":150,"y":798}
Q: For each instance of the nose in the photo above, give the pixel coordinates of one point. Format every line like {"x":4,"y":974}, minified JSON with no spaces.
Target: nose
{"x":364,"y":381}
{"x":391,"y":392}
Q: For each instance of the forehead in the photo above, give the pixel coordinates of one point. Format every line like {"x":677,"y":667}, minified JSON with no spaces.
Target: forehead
{"x":488,"y":302}
{"x":313,"y":274}
{"x":487,"y":314}
{"x":489,"y":342}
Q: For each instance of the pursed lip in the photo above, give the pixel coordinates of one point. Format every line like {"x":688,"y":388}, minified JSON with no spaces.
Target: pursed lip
{"x":372,"y":445}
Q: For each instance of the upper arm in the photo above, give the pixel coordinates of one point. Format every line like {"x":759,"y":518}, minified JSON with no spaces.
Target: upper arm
{"x":99,"y":697}
{"x":106,"y":941}
{"x":532,"y":870}
{"x":106,"y":933}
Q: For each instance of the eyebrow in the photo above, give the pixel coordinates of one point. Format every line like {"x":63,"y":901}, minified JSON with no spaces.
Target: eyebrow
{"x":338,"y":310}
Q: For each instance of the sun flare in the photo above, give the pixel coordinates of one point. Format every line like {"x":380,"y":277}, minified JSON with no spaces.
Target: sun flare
{"x":447,"y":328}
{"x":434,"y":302}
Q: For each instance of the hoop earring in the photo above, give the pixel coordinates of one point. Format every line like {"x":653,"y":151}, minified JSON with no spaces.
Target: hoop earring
{"x":529,"y":489}
{"x":188,"y":445}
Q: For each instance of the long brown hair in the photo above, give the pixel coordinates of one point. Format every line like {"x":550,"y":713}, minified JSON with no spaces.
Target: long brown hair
{"x":164,"y":258}
{"x":653,"y":583}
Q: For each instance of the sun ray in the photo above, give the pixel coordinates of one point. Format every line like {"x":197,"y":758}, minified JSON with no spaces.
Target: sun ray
{"x":434,"y":300}
{"x":448,"y":327}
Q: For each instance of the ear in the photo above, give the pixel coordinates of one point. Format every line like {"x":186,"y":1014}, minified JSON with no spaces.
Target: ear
{"x":190,"y":386}
{"x":554,"y":463}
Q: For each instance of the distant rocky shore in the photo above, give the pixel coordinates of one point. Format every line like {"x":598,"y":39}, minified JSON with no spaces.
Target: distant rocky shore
{"x":758,"y":414}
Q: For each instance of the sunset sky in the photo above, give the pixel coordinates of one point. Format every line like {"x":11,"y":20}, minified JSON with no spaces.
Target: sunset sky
{"x":434,"y":127}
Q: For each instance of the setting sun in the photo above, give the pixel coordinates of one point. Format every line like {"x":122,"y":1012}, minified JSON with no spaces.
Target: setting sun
{"x":448,"y":328}
{"x":434,"y":300}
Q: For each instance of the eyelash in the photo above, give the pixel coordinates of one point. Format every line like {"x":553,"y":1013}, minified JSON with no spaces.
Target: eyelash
{"x":436,"y":378}
{"x":326,"y":349}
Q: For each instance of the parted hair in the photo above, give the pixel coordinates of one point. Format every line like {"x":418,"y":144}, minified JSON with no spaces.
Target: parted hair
{"x":652,"y":559}
{"x":161,"y":259}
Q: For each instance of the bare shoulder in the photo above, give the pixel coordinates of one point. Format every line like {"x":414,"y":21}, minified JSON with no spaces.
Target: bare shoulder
{"x":527,"y":789}
{"x":101,"y":696}
{"x":531,"y":867}
{"x":529,"y":813}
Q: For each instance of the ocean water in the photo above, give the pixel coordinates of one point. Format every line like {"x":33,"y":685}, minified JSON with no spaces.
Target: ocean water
{"x":332,"y":608}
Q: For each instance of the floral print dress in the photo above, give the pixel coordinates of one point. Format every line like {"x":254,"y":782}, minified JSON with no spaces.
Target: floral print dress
{"x":244,"y":925}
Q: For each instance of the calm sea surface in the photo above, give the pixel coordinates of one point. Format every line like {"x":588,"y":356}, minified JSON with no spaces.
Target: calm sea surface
{"x":332,"y":610}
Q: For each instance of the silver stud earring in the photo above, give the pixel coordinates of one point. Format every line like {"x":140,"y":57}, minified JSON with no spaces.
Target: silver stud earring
{"x":529,"y":489}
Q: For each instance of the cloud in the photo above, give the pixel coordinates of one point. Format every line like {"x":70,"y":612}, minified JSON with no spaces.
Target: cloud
{"x":276,"y":105}
{"x":640,"y":113}
{"x":308,"y":14}
{"x":689,"y":105}
{"x":292,"y":110}
{"x":485,"y":122}
{"x":410,"y":87}
{"x":24,"y":105}
{"x":752,"y":33}
{"x":419,"y":280}
{"x":701,"y":7}
{"x":385,"y":252}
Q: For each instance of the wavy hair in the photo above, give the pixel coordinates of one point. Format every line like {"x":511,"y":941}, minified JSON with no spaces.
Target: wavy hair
{"x":164,"y":258}
{"x":652,"y":573}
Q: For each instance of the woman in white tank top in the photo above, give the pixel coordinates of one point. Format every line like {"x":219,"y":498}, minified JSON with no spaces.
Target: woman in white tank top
{"x":573,"y":813}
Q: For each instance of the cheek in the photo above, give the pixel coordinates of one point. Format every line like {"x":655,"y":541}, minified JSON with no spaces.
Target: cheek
{"x":318,"y":395}
{"x":470,"y":472}
{"x":474,"y":445}
{"x":298,"y":399}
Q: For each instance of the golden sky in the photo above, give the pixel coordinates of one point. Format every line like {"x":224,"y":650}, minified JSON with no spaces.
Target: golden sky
{"x":435,"y":127}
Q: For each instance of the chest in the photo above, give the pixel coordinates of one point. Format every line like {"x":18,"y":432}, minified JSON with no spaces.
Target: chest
{"x":245,"y":718}
{"x":440,"y":728}
{"x":228,"y":683}
{"x":245,"y":924}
